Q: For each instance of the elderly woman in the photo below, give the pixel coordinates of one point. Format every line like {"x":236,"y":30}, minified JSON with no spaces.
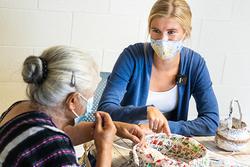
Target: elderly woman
{"x":60,"y":82}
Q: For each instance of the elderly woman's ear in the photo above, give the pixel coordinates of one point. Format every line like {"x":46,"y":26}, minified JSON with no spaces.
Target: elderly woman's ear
{"x":71,"y":101}
{"x":73,"y":104}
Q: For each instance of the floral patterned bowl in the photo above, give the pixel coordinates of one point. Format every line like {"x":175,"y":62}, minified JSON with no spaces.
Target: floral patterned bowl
{"x":175,"y":150}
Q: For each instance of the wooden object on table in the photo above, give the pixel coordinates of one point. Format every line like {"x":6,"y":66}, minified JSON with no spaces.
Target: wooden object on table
{"x":232,"y":133}
{"x":242,"y":156}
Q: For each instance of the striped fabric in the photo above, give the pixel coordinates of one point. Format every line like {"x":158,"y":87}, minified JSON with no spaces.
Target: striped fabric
{"x":31,"y":139}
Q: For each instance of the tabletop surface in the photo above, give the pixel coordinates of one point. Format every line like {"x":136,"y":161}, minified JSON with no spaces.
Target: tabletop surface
{"x":217,"y":156}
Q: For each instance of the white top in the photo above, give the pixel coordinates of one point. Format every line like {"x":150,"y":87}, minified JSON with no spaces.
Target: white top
{"x":164,"y":101}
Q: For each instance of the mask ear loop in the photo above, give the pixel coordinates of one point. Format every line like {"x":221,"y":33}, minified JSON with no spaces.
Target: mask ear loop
{"x":77,"y":116}
{"x":83,"y":97}
{"x":83,"y":100}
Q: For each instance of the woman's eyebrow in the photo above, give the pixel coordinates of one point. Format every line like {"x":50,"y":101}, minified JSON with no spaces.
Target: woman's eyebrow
{"x":172,"y":29}
{"x":155,"y":28}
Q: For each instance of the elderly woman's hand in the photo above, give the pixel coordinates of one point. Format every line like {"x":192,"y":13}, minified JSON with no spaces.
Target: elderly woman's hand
{"x":129,"y":131}
{"x":105,"y":131}
{"x":104,"y":134}
{"x":157,"y":121}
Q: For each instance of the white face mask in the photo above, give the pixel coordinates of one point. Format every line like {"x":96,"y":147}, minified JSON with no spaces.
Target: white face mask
{"x":166,"y":49}
{"x":88,"y":110}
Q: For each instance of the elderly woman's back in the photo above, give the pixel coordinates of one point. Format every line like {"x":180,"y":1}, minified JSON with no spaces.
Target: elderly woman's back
{"x":31,"y":139}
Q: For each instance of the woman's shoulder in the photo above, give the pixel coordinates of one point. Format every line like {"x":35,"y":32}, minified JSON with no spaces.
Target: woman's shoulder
{"x":191,"y":56}
{"x":136,"y":51}
{"x":33,"y":131}
{"x":136,"y":48}
{"x":138,"y":45}
{"x":191,"y":53}
{"x":29,"y":122}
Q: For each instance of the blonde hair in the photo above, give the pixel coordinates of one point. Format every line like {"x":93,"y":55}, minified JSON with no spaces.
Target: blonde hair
{"x":50,"y":76}
{"x":178,"y":9}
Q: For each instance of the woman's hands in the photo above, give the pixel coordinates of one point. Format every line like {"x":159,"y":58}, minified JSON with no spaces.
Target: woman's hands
{"x":104,"y":134}
{"x":129,"y":131}
{"x":157,"y":121}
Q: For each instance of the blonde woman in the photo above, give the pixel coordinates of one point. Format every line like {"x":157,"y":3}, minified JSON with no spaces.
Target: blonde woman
{"x":154,"y":81}
{"x":60,"y":82}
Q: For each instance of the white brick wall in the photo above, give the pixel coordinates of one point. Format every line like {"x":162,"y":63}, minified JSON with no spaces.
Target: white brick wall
{"x":34,"y":28}
{"x":21,"y":4}
{"x":93,"y":6}
{"x":101,"y":31}
{"x":103,"y":28}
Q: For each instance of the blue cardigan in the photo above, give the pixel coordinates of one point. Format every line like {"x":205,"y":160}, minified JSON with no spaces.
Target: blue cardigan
{"x":126,"y":92}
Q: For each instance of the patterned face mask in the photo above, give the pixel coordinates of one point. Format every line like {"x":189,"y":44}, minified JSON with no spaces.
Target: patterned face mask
{"x":166,"y":49}
{"x":88,"y":109}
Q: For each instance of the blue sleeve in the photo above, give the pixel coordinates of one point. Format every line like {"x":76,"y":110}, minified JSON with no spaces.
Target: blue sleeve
{"x":208,"y":113}
{"x":116,"y":88}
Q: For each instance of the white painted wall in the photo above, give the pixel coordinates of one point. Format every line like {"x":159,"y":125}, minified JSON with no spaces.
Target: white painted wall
{"x":105,"y":27}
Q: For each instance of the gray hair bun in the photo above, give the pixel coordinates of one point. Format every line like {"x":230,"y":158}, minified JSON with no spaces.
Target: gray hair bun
{"x":34,"y":71}
{"x":50,"y":75}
